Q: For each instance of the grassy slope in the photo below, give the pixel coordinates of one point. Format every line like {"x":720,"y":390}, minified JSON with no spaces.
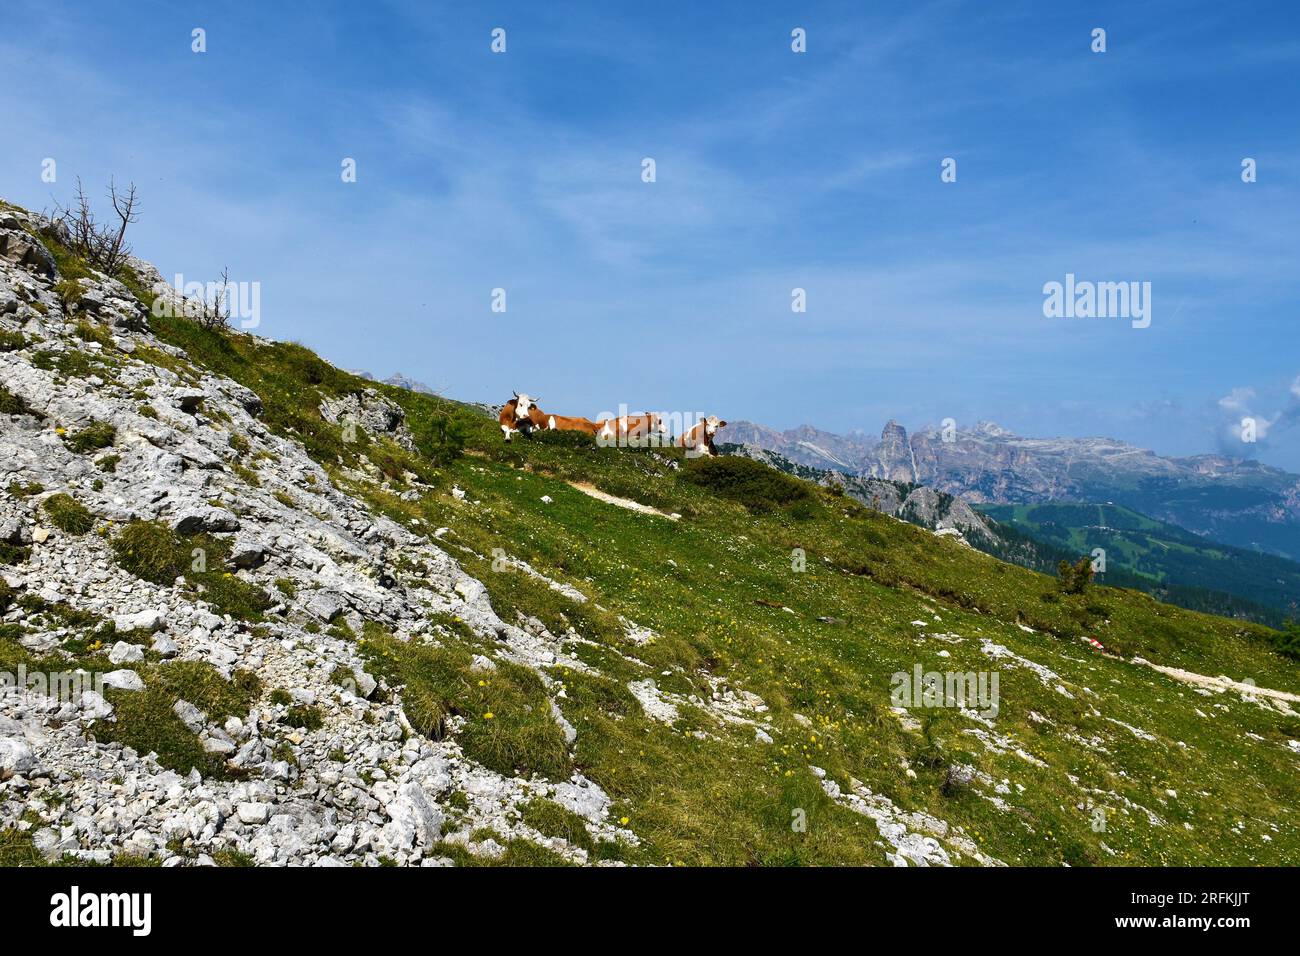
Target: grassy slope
{"x":727,"y":799}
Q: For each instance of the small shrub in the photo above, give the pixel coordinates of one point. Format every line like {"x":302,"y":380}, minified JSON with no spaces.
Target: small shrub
{"x":280,"y":697}
{"x":1074,"y":578}
{"x":93,"y":436}
{"x":1287,"y":640}
{"x":68,"y":514}
{"x":305,"y":716}
{"x":11,"y":404}
{"x":152,"y":551}
{"x":108,"y":464}
{"x":148,"y":411}
{"x":12,"y":341}
{"x":88,"y":332}
{"x":445,"y":440}
{"x":69,"y":292}
{"x":755,"y":485}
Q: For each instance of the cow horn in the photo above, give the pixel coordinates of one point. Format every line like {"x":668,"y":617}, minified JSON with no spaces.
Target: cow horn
{"x":516,"y":394}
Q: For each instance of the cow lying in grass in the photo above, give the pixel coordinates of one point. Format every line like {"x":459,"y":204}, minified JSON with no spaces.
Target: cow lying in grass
{"x":636,"y":427}
{"x":698,"y":439}
{"x":517,"y":415}
{"x":571,"y":423}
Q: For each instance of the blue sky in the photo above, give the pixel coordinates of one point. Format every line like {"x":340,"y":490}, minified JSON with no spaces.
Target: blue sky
{"x":775,"y":170}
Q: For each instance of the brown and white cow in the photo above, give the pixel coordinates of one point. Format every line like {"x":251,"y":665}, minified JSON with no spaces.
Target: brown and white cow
{"x":698,"y":439}
{"x":517,"y":415}
{"x":570,"y":423}
{"x":635,"y":427}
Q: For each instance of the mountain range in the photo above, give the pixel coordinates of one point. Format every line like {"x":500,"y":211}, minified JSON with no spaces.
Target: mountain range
{"x":1236,"y":501}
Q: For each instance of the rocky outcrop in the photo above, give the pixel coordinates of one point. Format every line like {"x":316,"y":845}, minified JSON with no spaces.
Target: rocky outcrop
{"x":376,"y":414}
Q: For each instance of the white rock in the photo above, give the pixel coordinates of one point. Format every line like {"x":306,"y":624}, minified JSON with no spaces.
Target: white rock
{"x":124,"y":653}
{"x":16,"y":757}
{"x":123,"y":680}
{"x":253,"y":813}
{"x":190,"y":716}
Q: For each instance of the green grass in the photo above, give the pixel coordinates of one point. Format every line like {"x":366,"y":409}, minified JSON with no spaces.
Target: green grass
{"x":508,"y":724}
{"x":11,"y":404}
{"x":146,"y":721}
{"x":152,"y":551}
{"x":68,"y":514}
{"x":12,"y":341}
{"x":94,"y":436}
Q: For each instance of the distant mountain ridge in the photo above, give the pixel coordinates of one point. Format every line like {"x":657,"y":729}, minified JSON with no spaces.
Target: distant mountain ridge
{"x":1237,"y":501}
{"x":398,"y":379}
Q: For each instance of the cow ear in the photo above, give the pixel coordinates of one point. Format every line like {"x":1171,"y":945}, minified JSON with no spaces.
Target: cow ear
{"x":721,"y":424}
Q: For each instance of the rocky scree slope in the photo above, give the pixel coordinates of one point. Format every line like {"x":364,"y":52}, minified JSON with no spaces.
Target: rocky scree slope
{"x":316,"y":762}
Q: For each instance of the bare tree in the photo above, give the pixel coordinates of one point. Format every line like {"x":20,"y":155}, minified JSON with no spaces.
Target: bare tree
{"x":124,"y":204}
{"x":103,"y":246}
{"x":216,"y":314}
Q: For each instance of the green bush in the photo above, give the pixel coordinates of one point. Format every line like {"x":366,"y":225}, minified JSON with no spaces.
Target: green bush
{"x":1287,"y":640}
{"x":152,"y":551}
{"x":11,"y":404}
{"x":70,"y":292}
{"x":93,"y":436}
{"x":68,"y":514}
{"x":755,"y":485}
{"x":1074,"y":578}
{"x":12,"y":341}
{"x":305,"y":716}
{"x":444,"y":441}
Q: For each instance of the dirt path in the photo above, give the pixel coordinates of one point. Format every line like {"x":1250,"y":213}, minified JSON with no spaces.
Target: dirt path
{"x":627,"y":503}
{"x":1221,"y":683}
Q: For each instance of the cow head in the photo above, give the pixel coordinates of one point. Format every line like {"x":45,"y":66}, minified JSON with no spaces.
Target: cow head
{"x":712,"y":424}
{"x":657,"y":424}
{"x":523,"y":405}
